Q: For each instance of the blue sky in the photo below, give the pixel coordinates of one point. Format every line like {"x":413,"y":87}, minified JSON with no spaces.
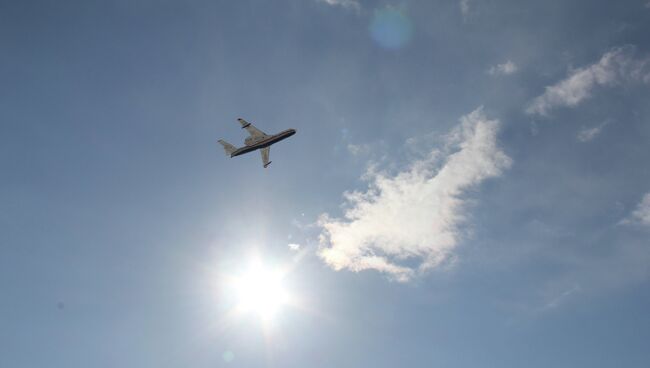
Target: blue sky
{"x":468,"y":186}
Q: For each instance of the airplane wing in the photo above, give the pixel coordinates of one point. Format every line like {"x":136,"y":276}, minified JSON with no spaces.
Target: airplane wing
{"x":254,"y":132}
{"x":265,"y":156}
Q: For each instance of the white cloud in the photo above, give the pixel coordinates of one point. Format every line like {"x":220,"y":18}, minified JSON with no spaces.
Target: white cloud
{"x":553,"y":301}
{"x":506,"y":68}
{"x":587,"y":134}
{"x":358,"y":149}
{"x":410,"y":221}
{"x":294,"y":247}
{"x":616,"y":66}
{"x":464,"y":7}
{"x":641,"y":215}
{"x":349,"y":4}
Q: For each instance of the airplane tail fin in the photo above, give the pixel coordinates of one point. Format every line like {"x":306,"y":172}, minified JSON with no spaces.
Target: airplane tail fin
{"x":228,"y":147}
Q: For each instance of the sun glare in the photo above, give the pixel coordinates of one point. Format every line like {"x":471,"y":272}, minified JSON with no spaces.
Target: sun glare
{"x":261,"y":290}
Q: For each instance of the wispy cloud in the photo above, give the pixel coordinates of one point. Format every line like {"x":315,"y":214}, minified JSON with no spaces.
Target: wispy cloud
{"x":410,"y":222}
{"x":349,"y":4}
{"x":553,"y":301}
{"x":641,"y":215}
{"x":294,"y":247}
{"x":616,"y":66}
{"x":506,"y":68}
{"x":464,"y":7}
{"x":358,"y":149}
{"x":587,"y":134}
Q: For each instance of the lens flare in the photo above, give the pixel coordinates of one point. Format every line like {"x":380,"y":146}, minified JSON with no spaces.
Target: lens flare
{"x":391,"y":28}
{"x":228,"y":356}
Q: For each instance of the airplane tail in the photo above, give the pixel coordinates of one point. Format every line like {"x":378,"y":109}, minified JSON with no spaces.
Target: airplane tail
{"x":228,"y":147}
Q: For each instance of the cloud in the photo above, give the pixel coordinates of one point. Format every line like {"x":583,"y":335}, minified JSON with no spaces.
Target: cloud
{"x":641,"y":215}
{"x":506,"y":68}
{"x":620,"y":65}
{"x":358,"y":149}
{"x":588,"y":134}
{"x":349,"y":4}
{"x":294,"y":247}
{"x":464,"y":7}
{"x":410,"y":222}
{"x":553,"y":301}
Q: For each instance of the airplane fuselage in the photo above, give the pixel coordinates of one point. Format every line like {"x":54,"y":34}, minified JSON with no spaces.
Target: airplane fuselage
{"x":264,"y":142}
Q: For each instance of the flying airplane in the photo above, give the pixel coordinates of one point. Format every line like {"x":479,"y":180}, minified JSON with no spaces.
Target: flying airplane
{"x":257,"y":140}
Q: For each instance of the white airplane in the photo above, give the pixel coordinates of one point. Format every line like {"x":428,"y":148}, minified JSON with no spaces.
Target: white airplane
{"x":257,"y":140}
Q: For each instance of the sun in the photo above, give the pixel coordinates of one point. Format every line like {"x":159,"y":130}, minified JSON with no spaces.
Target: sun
{"x":260,"y":290}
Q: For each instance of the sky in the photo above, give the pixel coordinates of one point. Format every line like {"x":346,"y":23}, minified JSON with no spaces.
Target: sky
{"x":468,"y":185}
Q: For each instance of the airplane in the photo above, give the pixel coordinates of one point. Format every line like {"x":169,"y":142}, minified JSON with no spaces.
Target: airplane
{"x":257,"y":140}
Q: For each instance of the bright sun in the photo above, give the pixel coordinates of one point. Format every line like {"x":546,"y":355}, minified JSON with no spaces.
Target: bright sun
{"x":261,"y":290}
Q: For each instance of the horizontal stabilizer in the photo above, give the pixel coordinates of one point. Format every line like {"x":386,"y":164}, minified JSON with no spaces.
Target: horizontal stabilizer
{"x":228,"y":147}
